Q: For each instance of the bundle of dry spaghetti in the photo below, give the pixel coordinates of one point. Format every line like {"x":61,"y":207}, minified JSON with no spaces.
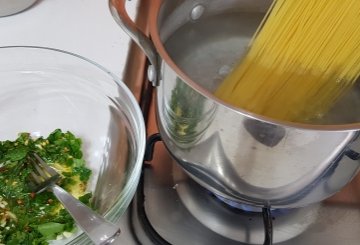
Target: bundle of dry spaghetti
{"x":305,"y":55}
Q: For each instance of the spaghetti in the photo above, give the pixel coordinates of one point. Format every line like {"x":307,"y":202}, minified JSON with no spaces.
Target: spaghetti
{"x":305,"y":55}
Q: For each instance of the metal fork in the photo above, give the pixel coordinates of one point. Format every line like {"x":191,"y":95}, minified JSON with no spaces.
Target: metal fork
{"x":94,"y":225}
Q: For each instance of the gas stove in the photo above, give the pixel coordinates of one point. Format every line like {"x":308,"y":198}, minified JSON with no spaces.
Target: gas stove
{"x":170,"y":208}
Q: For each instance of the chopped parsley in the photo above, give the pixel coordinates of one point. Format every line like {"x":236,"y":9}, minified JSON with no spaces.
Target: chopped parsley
{"x":36,"y":218}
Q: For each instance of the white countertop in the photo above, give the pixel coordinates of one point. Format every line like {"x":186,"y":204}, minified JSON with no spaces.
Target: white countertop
{"x":84,"y":27}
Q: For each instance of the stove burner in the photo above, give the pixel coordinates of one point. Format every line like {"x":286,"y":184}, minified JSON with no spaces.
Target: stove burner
{"x":245,"y":208}
{"x":236,"y":206}
{"x":237,"y":221}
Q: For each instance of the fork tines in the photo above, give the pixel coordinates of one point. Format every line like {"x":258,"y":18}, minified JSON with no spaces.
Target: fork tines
{"x":42,"y":175}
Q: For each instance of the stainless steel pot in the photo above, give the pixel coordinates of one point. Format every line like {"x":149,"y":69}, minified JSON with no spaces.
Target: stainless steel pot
{"x":236,"y":154}
{"x":10,"y":7}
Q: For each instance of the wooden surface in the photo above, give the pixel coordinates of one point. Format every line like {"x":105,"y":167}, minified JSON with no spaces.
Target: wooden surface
{"x":134,"y":73}
{"x":349,"y":195}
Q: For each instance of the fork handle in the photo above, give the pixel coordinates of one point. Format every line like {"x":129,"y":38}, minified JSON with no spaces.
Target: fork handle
{"x":99,"y":230}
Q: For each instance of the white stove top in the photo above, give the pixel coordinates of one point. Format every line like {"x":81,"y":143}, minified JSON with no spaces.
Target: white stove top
{"x":84,"y":27}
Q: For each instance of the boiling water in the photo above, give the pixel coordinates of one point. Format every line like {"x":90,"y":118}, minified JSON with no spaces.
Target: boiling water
{"x":207,"y":49}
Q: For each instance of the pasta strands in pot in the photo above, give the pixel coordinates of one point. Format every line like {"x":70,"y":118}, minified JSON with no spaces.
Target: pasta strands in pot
{"x":305,"y":55}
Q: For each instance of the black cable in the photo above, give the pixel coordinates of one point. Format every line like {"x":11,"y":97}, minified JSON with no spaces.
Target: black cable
{"x":149,"y":230}
{"x":146,"y":225}
{"x":131,"y":223}
{"x":150,"y":144}
{"x":266,"y":212}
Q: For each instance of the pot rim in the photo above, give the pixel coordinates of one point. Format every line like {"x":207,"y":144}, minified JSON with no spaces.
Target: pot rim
{"x":160,"y":48}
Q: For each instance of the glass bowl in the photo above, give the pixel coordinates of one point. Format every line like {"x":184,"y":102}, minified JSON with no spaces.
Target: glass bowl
{"x":42,"y":89}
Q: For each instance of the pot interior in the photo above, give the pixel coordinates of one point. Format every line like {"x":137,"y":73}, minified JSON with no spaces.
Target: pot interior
{"x":206,"y":39}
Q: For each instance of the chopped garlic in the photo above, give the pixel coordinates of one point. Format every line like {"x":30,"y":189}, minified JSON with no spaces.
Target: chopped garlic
{"x":67,"y":234}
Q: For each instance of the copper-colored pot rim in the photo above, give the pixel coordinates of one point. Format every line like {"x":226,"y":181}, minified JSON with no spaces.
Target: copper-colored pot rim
{"x":154,"y":32}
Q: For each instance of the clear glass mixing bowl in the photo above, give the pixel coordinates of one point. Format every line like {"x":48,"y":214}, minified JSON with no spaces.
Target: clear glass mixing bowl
{"x":42,"y":89}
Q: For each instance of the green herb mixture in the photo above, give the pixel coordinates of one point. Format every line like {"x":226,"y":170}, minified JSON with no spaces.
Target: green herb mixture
{"x":35,"y":218}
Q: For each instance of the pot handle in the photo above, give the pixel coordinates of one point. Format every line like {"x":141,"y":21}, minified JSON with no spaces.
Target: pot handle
{"x":118,"y":11}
